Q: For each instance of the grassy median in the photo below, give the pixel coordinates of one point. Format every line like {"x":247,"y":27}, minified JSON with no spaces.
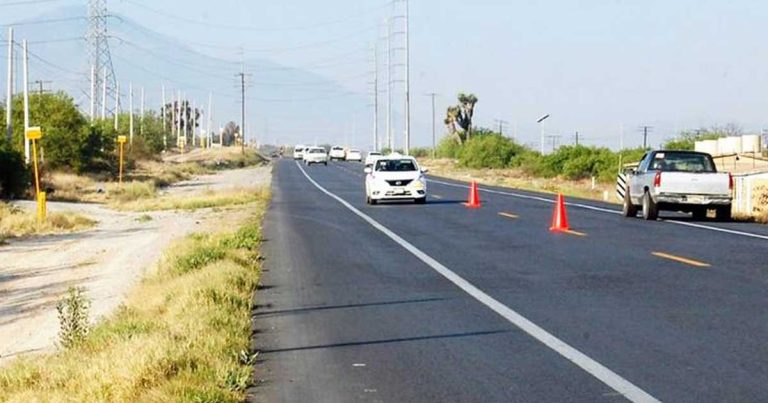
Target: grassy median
{"x":182,"y":334}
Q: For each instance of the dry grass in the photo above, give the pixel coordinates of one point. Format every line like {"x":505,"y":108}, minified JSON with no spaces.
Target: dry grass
{"x":131,"y":191}
{"x":75,"y":188}
{"x":182,"y":335}
{"x":147,"y":175}
{"x":17,"y":223}
{"x":514,"y":178}
{"x":208,"y":199}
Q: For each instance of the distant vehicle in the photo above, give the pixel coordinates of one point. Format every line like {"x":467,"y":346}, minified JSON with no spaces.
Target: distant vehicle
{"x":354,"y":155}
{"x":337,"y":153}
{"x":371,"y":157}
{"x":298,"y":151}
{"x":315,"y":155}
{"x":395,"y":178}
{"x":684,"y":181}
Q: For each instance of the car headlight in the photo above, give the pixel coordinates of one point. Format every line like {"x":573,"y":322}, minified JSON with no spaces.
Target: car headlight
{"x":418,"y":184}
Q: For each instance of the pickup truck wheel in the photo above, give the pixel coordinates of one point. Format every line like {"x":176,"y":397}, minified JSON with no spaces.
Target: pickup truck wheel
{"x":723,"y":213}
{"x":650,"y":210}
{"x":628,"y":209}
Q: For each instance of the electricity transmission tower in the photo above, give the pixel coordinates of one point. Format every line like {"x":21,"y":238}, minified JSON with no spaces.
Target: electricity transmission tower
{"x":102,"y":72}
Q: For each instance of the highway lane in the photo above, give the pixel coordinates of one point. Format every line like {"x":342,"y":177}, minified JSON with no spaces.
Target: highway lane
{"x":347,"y":315}
{"x":680,"y":332}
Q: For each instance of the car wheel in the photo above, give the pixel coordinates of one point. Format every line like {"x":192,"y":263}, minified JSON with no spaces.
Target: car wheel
{"x":325,"y":163}
{"x":420,"y":200}
{"x":628,"y":209}
{"x":374,"y":202}
{"x":650,"y":209}
{"x":367,"y":200}
{"x":723,"y":213}
{"x":699,"y":213}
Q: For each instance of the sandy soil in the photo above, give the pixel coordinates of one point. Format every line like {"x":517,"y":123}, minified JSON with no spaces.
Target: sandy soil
{"x":107,"y":260}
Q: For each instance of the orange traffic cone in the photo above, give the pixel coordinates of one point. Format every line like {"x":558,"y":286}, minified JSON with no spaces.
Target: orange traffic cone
{"x":560,"y":218}
{"x":474,"y":196}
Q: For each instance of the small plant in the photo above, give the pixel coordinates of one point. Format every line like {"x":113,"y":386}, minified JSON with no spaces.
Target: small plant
{"x":73,"y":317}
{"x":144,"y":218}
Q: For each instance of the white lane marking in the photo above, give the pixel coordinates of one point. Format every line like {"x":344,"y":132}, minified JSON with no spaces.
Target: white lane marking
{"x":605,"y":210}
{"x":358,"y":365}
{"x":599,"y":371}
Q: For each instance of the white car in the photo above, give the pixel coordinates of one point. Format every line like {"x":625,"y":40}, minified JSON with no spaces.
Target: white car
{"x":395,"y":177}
{"x":315,"y":155}
{"x":354,"y":155}
{"x":337,"y":153}
{"x":298,"y":152}
{"x":371,"y":157}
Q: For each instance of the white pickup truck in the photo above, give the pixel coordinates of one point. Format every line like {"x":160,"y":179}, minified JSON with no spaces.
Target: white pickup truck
{"x":684,"y":181}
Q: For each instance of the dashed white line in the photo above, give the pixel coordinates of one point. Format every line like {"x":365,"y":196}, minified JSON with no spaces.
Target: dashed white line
{"x":605,"y":210}
{"x":594,"y":368}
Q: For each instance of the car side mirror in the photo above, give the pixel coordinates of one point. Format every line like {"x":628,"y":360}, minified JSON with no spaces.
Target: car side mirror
{"x":424,"y":170}
{"x":368,"y":170}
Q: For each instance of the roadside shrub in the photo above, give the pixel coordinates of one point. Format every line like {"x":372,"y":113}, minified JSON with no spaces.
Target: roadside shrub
{"x":421,"y":152}
{"x":448,"y":148}
{"x":488,"y":151}
{"x":73,"y":317}
{"x":14,"y":175}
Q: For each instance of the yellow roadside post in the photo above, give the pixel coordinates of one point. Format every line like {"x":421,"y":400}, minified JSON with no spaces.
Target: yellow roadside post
{"x":33,"y":134}
{"x":121,"y":141}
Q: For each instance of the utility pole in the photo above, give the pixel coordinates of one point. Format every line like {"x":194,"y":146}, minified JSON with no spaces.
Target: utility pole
{"x":163,"y":111}
{"x":390,"y":143}
{"x":40,"y":89}
{"x":141,"y":112}
{"x":242,"y":116}
{"x":434,"y":144}
{"x":209,"y":135}
{"x":130,"y":113}
{"x":117,"y":106}
{"x":577,"y":137}
{"x":9,"y":88}
{"x":104,"y":97}
{"x":92,"y":108}
{"x":25,"y":76}
{"x":645,"y":130}
{"x":407,"y":85}
{"x":554,"y":139}
{"x":376,"y":96}
{"x":501,"y":124}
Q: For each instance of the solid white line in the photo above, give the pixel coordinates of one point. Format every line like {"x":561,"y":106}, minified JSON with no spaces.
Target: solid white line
{"x":605,"y":210}
{"x":599,"y":371}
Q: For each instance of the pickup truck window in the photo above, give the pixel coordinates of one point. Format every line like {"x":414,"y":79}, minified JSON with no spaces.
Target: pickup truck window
{"x":682,"y":162}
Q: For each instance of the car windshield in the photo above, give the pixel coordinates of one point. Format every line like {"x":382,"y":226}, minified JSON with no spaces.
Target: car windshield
{"x":354,"y":152}
{"x":317,"y":151}
{"x":338,"y":149}
{"x":682,"y":162}
{"x":404,"y":165}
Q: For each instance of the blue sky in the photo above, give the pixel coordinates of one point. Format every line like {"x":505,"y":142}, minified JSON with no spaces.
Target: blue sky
{"x":595,"y":66}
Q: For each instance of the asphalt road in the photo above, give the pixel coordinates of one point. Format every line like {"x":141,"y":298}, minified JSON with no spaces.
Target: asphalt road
{"x":672,"y":310}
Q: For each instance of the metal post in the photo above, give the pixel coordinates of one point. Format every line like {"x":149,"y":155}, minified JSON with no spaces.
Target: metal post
{"x":407,"y":85}
{"x":141,"y":109}
{"x":25,"y":76}
{"x":104,"y":95}
{"x":130,"y":113}
{"x":117,"y":106}
{"x":9,"y":89}
{"x":390,"y":142}
{"x":376,"y":96}
{"x":93,"y":93}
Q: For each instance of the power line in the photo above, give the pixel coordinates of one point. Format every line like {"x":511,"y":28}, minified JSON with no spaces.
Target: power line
{"x":255,"y":29}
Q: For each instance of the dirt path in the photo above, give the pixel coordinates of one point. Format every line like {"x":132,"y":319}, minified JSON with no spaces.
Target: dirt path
{"x":107,"y":261}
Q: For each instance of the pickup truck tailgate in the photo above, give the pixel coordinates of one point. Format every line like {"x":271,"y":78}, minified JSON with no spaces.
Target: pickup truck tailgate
{"x":695,"y":183}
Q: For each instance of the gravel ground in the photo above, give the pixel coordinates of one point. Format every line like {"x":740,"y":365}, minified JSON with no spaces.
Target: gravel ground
{"x":107,"y":260}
